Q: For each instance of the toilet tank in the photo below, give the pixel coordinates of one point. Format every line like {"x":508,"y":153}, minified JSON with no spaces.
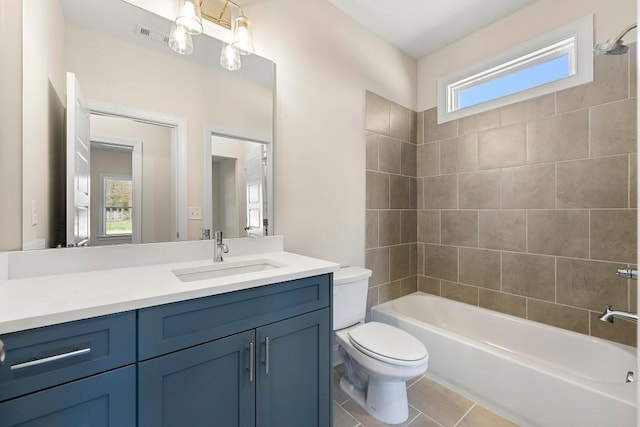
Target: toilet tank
{"x":350,"y":286}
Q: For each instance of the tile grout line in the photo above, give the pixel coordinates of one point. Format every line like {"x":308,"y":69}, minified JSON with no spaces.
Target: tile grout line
{"x":589,"y":234}
{"x":465,"y":414}
{"x":408,"y":422}
{"x":629,"y":181}
{"x":348,"y":413}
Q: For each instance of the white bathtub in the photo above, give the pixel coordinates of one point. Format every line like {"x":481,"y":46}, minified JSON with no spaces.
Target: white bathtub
{"x":534,"y":374}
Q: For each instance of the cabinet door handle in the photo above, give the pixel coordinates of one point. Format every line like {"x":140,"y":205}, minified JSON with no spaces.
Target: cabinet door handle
{"x":2,"y":355}
{"x":266,"y":356}
{"x":251,"y":361}
{"x":50,"y":359}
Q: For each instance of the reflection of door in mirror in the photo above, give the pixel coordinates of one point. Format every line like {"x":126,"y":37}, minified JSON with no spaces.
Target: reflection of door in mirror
{"x":255,"y":178}
{"x":142,"y":151}
{"x":238,"y":182}
{"x":78,"y":165}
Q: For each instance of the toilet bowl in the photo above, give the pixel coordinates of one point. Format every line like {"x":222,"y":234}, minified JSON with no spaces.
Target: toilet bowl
{"x":384,"y":364}
{"x":378,"y":358}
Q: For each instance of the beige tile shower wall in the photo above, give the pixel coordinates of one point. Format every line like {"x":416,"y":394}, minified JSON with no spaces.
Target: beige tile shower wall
{"x":391,"y":214}
{"x":530,"y":209}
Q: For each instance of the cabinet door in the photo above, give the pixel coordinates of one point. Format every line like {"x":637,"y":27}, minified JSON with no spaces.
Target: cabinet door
{"x":294,"y":372}
{"x":212,"y":384}
{"x":104,"y":400}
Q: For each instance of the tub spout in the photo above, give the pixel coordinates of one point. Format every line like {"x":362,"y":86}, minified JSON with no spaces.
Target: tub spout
{"x":608,"y":315}
{"x":628,"y":273}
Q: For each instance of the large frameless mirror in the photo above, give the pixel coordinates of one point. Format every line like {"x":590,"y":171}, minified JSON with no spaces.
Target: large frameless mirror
{"x":131,"y":126}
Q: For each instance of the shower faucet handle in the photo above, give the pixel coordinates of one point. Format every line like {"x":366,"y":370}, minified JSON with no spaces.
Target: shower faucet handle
{"x":628,"y":273}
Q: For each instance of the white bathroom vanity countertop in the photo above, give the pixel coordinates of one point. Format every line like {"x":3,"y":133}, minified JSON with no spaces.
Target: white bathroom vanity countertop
{"x":32,"y":302}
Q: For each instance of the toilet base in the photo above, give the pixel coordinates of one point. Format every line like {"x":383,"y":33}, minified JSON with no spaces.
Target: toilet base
{"x":385,"y":401}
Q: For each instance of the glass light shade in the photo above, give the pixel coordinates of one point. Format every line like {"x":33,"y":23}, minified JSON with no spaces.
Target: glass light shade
{"x":190,"y":16}
{"x":230,"y":58}
{"x":180,"y":40}
{"x":242,"y":37}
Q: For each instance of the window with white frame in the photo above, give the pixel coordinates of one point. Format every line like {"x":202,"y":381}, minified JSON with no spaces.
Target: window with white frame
{"x":117,"y":205}
{"x":552,"y":62}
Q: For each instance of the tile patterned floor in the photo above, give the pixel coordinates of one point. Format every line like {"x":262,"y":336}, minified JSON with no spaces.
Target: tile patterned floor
{"x":430,"y":405}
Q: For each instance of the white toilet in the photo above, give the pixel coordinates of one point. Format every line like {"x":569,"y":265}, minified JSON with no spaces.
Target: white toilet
{"x":378,"y":358}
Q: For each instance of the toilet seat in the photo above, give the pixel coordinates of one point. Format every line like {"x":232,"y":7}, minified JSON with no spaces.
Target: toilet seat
{"x":388,"y":344}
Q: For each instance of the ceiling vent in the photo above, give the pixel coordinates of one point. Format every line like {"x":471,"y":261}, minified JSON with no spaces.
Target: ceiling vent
{"x":152,"y":34}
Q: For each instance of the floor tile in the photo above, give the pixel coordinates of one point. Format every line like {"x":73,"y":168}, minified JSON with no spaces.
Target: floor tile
{"x":482,"y":417}
{"x":368,"y":421}
{"x":423,"y":421}
{"x":431,"y":405}
{"x":341,"y":418}
{"x":438,"y":402}
{"x":413,"y":381}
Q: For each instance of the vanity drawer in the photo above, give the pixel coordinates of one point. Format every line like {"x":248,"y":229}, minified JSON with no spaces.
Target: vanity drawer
{"x":107,"y":399}
{"x":51,"y":355}
{"x":171,"y":327}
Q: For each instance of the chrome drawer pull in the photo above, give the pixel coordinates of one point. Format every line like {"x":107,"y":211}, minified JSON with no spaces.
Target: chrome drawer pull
{"x":1,"y":353}
{"x":266,"y":350}
{"x":50,"y":359}
{"x":251,"y":361}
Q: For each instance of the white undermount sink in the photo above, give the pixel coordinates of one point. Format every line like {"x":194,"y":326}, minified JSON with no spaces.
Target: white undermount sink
{"x":224,"y":269}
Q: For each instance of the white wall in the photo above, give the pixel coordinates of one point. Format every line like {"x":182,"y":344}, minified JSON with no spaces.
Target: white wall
{"x":225,"y":198}
{"x":540,"y":17}
{"x":10,"y":125}
{"x":325,"y":62}
{"x":44,"y":98}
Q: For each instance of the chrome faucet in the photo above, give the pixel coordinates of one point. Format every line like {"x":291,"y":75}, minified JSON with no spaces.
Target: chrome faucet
{"x":219,"y":248}
{"x":627,"y":273}
{"x":608,"y":315}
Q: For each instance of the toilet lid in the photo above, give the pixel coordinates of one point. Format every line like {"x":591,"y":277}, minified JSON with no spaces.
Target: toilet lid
{"x":388,"y":343}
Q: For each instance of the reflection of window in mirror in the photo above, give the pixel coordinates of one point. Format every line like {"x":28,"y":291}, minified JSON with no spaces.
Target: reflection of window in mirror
{"x":117,"y":206}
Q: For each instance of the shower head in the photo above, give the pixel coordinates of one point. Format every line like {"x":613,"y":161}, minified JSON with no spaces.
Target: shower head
{"x":615,"y":46}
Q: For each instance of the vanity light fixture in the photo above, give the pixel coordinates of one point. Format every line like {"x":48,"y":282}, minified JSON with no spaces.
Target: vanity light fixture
{"x":189,"y":22}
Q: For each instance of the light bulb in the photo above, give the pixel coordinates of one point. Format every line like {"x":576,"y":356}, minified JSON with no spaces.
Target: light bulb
{"x":190,"y":17}
{"x":230,"y":58}
{"x":180,"y":40}
{"x":242,"y":37}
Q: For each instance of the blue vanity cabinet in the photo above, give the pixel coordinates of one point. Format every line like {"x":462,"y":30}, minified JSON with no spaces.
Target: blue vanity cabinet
{"x":254,"y":357}
{"x":258,"y":357}
{"x":78,"y":373}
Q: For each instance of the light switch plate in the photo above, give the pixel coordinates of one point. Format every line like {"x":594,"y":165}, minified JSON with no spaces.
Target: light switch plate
{"x":195,"y":212}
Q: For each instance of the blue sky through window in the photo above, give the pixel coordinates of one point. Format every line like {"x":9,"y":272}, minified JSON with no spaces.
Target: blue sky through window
{"x":518,"y":81}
